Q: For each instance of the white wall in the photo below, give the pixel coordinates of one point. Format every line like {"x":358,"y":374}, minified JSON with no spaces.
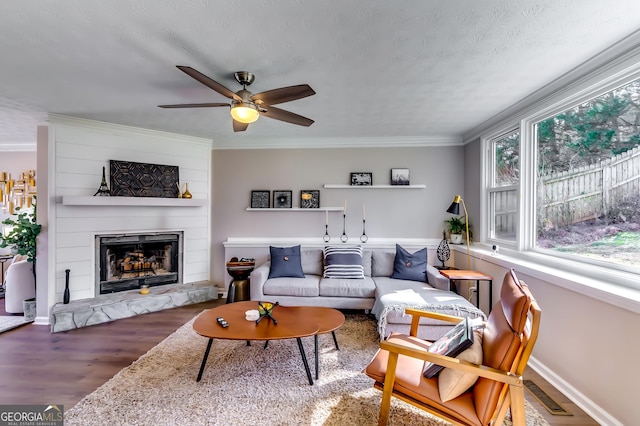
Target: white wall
{"x":78,"y":151}
{"x":390,"y":213}
{"x":15,"y":163}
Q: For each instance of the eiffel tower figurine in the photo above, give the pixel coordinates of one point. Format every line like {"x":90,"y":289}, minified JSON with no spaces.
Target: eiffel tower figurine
{"x":103,"y":191}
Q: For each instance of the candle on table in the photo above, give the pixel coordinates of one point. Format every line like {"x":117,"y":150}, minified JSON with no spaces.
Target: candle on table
{"x":326,"y":217}
{"x":345,"y":207}
{"x":363,"y":213}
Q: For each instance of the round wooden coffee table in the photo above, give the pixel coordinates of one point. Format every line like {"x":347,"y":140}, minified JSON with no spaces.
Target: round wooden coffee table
{"x":292,"y":324}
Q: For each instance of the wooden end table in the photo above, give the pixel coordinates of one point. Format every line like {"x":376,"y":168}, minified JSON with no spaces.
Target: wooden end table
{"x":460,"y":274}
{"x":239,"y":285}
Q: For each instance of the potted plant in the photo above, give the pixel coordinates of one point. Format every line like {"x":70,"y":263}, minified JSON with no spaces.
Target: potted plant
{"x":456,"y":228}
{"x":20,"y":234}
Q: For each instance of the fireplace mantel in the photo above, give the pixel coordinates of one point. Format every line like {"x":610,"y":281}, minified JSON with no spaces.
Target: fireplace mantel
{"x":83,"y":200}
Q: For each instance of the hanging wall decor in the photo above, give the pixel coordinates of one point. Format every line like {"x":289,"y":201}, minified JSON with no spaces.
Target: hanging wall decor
{"x":129,"y":179}
{"x":282,"y":199}
{"x":260,"y":199}
{"x":309,"y":199}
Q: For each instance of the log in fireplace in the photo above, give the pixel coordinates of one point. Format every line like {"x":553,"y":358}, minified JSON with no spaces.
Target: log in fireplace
{"x":129,"y":261}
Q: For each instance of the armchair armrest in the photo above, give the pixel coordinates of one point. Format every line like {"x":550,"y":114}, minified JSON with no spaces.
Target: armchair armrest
{"x":447,"y":362}
{"x":257,"y":279}
{"x":416,"y":314}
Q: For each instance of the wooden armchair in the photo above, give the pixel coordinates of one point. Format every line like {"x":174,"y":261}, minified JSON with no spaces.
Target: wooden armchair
{"x":508,"y":339}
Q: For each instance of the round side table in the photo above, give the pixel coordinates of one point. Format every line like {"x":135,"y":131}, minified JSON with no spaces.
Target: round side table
{"x":239,"y":285}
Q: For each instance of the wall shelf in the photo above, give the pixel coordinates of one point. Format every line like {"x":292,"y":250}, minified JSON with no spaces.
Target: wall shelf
{"x":83,"y":200}
{"x":340,"y":186}
{"x":296,"y":209}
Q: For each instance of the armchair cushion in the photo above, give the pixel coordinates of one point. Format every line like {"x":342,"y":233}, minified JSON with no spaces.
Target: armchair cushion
{"x":410,"y":381}
{"x":501,"y":341}
{"x":453,"y":383}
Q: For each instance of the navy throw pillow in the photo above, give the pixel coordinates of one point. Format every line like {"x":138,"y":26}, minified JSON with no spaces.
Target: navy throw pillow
{"x":285,"y":262}
{"x":407,"y":266}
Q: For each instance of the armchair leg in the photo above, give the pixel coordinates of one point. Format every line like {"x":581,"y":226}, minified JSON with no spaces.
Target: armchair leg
{"x":389,"y":379}
{"x":518,"y":416}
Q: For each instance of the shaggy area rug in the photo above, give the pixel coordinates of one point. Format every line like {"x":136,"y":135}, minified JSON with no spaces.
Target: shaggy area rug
{"x":249,"y":385}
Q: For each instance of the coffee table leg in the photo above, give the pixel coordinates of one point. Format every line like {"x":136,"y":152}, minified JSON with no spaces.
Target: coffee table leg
{"x":335,"y":340}
{"x":204,"y":360}
{"x":304,"y":360}
{"x":315,"y":342}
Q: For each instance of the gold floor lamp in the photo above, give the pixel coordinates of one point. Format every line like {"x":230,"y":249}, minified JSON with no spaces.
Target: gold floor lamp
{"x":454,"y":208}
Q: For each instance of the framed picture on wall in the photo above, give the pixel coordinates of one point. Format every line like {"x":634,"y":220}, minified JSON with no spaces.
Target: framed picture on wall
{"x":309,"y":199}
{"x":260,"y":199}
{"x":399,"y":176}
{"x":282,"y":199}
{"x":362,"y":179}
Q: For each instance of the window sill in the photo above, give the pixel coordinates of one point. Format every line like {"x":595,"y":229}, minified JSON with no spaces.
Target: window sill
{"x":607,"y":285}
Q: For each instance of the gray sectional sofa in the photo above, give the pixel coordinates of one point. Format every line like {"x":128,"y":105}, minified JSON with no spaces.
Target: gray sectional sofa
{"x":385,"y":297}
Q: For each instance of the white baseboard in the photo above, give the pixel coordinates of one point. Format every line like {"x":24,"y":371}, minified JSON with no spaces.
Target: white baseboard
{"x":41,"y":321}
{"x":587,"y":405}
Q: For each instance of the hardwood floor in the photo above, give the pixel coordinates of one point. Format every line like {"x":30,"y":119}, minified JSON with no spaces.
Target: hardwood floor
{"x":38,"y":367}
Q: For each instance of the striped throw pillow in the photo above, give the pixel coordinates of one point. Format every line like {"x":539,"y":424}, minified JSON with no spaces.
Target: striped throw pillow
{"x":343,"y":262}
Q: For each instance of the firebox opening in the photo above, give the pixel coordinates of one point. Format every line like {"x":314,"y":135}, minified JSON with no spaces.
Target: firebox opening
{"x":127,"y":262}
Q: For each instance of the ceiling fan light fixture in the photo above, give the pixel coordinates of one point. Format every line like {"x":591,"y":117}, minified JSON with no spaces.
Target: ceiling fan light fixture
{"x":244,"y":112}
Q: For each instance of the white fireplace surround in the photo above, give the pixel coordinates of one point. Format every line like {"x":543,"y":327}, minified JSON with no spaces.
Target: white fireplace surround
{"x":71,"y":154}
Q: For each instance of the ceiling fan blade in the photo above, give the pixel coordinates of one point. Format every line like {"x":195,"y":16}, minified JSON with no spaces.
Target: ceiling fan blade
{"x":209,"y":82}
{"x":284,"y":94}
{"x":195,"y":105}
{"x":239,"y":127}
{"x":289,"y":117}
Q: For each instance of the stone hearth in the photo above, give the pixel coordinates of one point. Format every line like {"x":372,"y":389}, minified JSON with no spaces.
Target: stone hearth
{"x":110,"y":307}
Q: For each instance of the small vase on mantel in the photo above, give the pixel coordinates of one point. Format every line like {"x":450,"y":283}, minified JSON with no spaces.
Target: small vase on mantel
{"x":186,"y":193}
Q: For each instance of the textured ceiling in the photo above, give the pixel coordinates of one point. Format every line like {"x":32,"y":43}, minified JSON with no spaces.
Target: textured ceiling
{"x":381,"y":69}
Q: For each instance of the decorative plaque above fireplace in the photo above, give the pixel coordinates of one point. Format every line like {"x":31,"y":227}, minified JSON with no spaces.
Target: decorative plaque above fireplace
{"x":129,"y":179}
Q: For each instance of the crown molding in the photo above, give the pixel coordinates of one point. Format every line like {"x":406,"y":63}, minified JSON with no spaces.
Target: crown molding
{"x":18,"y":147}
{"x":337,"y":142}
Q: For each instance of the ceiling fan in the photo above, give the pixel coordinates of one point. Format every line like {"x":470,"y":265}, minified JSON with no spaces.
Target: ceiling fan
{"x":247,"y":107}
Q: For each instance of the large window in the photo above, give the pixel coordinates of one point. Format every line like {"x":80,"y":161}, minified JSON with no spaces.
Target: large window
{"x":588,"y":179}
{"x":504,"y":178}
{"x":567,"y":184}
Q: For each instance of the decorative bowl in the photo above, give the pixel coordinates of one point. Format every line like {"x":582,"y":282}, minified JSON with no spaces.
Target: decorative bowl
{"x":267,"y":305}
